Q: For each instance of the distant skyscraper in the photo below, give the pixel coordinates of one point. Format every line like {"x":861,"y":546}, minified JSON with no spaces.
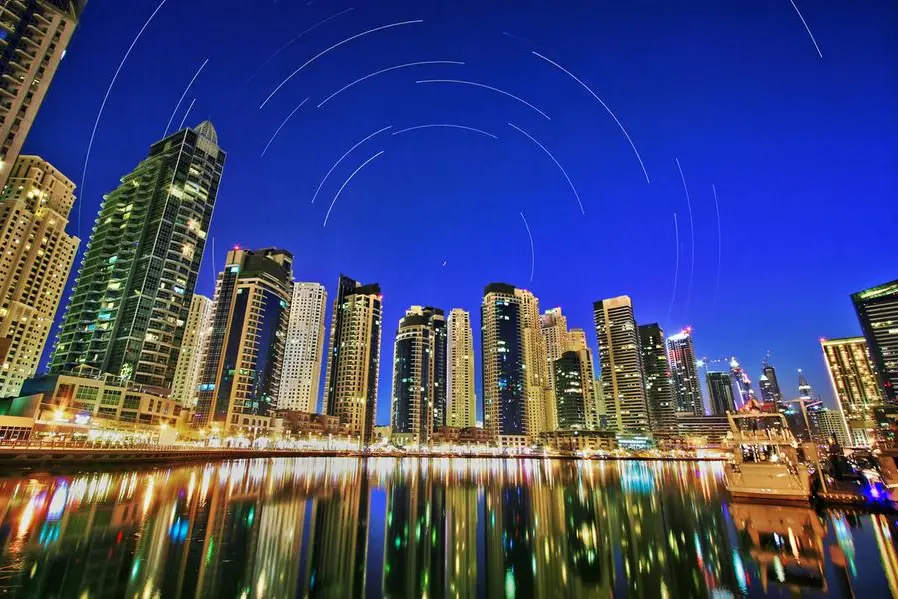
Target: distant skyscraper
{"x":684,"y":373}
{"x":744,"y":393}
{"x":304,"y":348}
{"x":804,"y":387}
{"x":417,"y":376}
{"x":461,"y":409}
{"x":553,"y":325}
{"x":132,"y":298}
{"x":720,"y":388}
{"x":557,"y":340}
{"x":34,"y":34}
{"x":576,"y":341}
{"x":515,"y":379}
{"x":832,"y":424}
{"x":852,"y":376}
{"x":770,"y":387}
{"x":190,"y":359}
{"x":877,"y":311}
{"x":244,"y":354}
{"x":37,"y":258}
{"x":573,"y":391}
{"x":658,"y":387}
{"x":354,"y":357}
{"x":623,"y":387}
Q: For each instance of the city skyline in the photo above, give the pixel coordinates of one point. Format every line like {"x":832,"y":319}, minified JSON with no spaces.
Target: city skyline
{"x":457,"y":282}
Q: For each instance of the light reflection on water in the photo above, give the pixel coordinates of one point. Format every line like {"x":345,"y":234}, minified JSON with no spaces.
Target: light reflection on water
{"x":417,"y":528}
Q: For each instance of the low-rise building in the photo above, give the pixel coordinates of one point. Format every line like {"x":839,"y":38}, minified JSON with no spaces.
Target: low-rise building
{"x":468,"y":436}
{"x":573,"y":441}
{"x":702,"y":431}
{"x":305,"y":425}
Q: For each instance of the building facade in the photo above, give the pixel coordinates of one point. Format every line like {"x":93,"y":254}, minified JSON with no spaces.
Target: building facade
{"x":418,"y":375}
{"x":623,"y":386}
{"x":354,"y":357}
{"x":244,"y":353}
{"x":36,"y":256}
{"x":770,"y":386}
{"x":743,"y":392}
{"x":658,"y":386}
{"x":720,"y":389}
{"x":573,"y":392}
{"x":304,"y":348}
{"x":131,"y":300}
{"x":35,"y":35}
{"x":855,"y":385}
{"x":684,"y":373}
{"x":460,"y":395}
{"x":877,"y":312}
{"x":190,"y":358}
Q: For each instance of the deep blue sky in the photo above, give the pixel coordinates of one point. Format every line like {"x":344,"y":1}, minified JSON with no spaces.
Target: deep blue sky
{"x":802,"y":151}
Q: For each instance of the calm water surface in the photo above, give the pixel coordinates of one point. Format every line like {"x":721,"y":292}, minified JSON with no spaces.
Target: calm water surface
{"x":417,"y":528}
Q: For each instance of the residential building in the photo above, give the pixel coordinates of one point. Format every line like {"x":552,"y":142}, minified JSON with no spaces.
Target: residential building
{"x":190,"y":358}
{"x":36,"y":256}
{"x":684,"y":373}
{"x":244,"y":353}
{"x":623,"y":386}
{"x":720,"y":389}
{"x":303,"y":349}
{"x":832,"y":426}
{"x":34,"y":35}
{"x":354,"y":357}
{"x":131,"y":300}
{"x":417,"y":375}
{"x":461,"y":401}
{"x":573,"y":391}
{"x":855,"y":385}
{"x":877,"y":311}
{"x":770,"y":387}
{"x":658,"y":386}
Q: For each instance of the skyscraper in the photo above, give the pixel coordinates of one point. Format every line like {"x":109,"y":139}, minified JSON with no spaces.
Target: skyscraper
{"x":417,"y":376}
{"x":132,"y":297}
{"x":244,"y":354}
{"x":684,"y":373}
{"x":304,"y":348}
{"x":34,"y":34}
{"x":623,"y":387}
{"x":744,"y":393}
{"x":37,"y":256}
{"x":557,"y":340}
{"x":573,"y":391}
{"x":804,"y":387}
{"x":853,"y":378}
{"x":514,"y":364}
{"x":461,"y":409}
{"x":877,"y":311}
{"x":770,"y":387}
{"x":658,"y":387}
{"x":576,"y":341}
{"x":720,"y":388}
{"x":354,"y":357}
{"x":190,"y":359}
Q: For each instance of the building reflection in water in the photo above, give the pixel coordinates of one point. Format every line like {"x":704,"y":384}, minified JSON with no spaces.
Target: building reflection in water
{"x":448,"y":528}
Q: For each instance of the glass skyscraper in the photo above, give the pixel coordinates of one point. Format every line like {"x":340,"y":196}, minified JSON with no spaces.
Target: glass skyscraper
{"x":720,"y":388}
{"x":658,"y":386}
{"x":128,"y":310}
{"x":684,"y":373}
{"x":877,"y":311}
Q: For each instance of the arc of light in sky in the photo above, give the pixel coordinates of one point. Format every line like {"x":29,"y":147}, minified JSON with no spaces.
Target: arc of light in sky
{"x":345,"y":183}
{"x":294,"y":40}
{"x":449,"y":125}
{"x":284,"y":122}
{"x":105,"y":99}
{"x":691,"y":236}
{"x":495,"y":89}
{"x":673,"y":296}
{"x":808,"y":29}
{"x":181,"y":99}
{"x":393,"y":68}
{"x":343,"y":157}
{"x":334,"y":47}
{"x":605,"y":106}
{"x":532,"y":249}
{"x":558,"y":164}
{"x":719,"y":243}
{"x":186,"y":114}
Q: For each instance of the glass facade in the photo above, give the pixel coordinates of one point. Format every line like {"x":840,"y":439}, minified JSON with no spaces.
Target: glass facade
{"x":509,"y":346}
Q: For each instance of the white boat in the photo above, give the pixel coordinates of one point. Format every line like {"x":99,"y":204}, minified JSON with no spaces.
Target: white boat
{"x":765,"y":464}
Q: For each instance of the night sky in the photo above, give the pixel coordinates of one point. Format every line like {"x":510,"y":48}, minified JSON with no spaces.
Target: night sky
{"x":802,"y":152}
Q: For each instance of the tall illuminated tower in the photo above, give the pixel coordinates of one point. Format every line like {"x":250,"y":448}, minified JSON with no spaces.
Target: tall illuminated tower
{"x":37,"y":257}
{"x":744,"y":393}
{"x":132,"y":297}
{"x":461,"y":408}
{"x":623,"y":386}
{"x":417,"y":374}
{"x":720,"y":388}
{"x":852,"y":376}
{"x":244,"y":354}
{"x":770,"y":387}
{"x":354,"y":357}
{"x":34,"y":35}
{"x":304,"y":348}
{"x":684,"y":373}
{"x":877,"y":311}
{"x":573,"y":391}
{"x":190,"y":360}
{"x":658,"y":386}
